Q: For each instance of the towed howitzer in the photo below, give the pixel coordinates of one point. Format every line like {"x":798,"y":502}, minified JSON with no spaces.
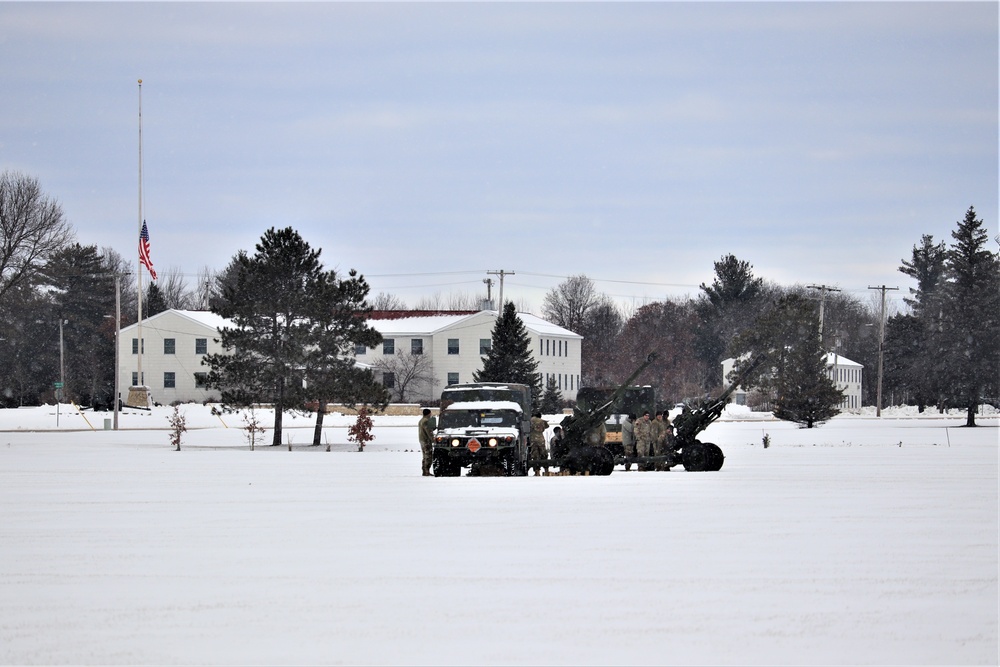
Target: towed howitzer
{"x":582,"y":449}
{"x":700,"y":456}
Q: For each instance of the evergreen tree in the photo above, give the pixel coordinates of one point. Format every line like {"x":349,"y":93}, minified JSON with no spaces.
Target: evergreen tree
{"x":552,"y":399}
{"x":271,"y":299}
{"x":912,"y":358}
{"x":795,"y":373}
{"x":338,"y":313}
{"x":969,"y":334}
{"x":725,"y":308}
{"x":84,"y":298}
{"x":154,"y":302}
{"x":510,"y":358}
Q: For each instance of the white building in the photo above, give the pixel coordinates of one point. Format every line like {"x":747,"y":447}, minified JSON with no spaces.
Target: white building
{"x":176,"y":341}
{"x":455,"y":344}
{"x":846,"y":375}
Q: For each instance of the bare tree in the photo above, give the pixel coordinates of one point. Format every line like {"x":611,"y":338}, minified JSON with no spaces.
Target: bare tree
{"x":175,"y":291}
{"x":203,"y":288}
{"x":568,"y":303}
{"x":32,"y":229}
{"x":410,"y":371}
{"x":385,"y":301}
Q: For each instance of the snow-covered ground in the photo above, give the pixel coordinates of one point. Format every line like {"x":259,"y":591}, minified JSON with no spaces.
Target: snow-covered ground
{"x":866,"y":541}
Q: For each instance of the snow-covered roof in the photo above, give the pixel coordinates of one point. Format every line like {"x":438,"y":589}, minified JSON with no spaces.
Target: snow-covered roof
{"x":841,"y":360}
{"x":426,"y":324}
{"x":203,"y":317}
{"x":484,"y":405}
{"x":431,"y":324}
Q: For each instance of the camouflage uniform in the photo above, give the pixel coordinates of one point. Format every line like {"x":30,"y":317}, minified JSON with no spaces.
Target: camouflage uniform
{"x":643,"y":435}
{"x":659,"y":428}
{"x":658,"y":432}
{"x":537,"y":440}
{"x":425,"y":431}
{"x":628,"y":439}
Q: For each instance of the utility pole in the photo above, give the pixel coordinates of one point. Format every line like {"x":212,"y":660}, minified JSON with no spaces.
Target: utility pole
{"x":489,"y":292}
{"x":881,"y":347}
{"x":823,"y":289}
{"x":500,"y":273}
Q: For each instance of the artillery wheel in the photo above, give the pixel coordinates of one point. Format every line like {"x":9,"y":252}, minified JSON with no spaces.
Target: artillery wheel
{"x":442,"y":467}
{"x":715,"y":457}
{"x":513,"y":467}
{"x":695,"y":457}
{"x":605,"y":462}
{"x":589,"y":460}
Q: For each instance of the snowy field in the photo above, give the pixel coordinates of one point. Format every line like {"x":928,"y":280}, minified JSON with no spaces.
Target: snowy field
{"x":866,"y":541}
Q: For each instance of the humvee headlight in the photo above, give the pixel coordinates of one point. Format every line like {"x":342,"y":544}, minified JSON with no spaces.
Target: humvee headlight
{"x":493,"y":442}
{"x":455,"y":442}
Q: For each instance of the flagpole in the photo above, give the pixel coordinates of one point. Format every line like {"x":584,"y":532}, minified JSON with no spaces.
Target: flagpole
{"x":139,"y":379}
{"x":138,"y":394}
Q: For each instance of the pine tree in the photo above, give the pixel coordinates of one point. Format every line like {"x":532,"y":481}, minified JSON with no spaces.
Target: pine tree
{"x":271,"y":298}
{"x":552,"y":399}
{"x":510,"y":358}
{"x":795,"y":373}
{"x":153,"y":303}
{"x":805,"y":393}
{"x":725,"y":308}
{"x":969,"y":333}
{"x":910,"y":348}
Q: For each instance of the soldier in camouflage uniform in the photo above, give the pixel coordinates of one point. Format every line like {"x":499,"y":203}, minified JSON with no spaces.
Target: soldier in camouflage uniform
{"x":425,"y":431}
{"x":537,"y":451}
{"x":643,"y":436}
{"x":659,"y":429}
{"x":628,"y":438}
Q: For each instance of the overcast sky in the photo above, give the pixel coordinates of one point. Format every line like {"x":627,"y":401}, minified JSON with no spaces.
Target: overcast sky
{"x":425,"y":144}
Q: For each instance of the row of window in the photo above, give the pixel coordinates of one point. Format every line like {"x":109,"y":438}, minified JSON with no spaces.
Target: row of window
{"x":563,"y":380}
{"x":170,"y":346}
{"x":558,"y":347}
{"x":170,"y":379}
{"x":417,"y":346}
{"x":845,"y":374}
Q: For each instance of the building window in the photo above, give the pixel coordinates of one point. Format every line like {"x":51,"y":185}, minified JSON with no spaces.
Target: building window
{"x":389,"y":380}
{"x":169,"y":346}
{"x":452,"y":378}
{"x":416,"y":346}
{"x":201,"y":380}
{"x":360,"y":349}
{"x":135,"y":346}
{"x":452,"y":346}
{"x":201,"y":346}
{"x":485,"y":345}
{"x":135,"y":379}
{"x":168,"y":380}
{"x":389,"y":346}
{"x":546,"y":347}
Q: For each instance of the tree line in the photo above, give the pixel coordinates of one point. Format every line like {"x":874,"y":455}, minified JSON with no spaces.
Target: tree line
{"x":942,"y":352}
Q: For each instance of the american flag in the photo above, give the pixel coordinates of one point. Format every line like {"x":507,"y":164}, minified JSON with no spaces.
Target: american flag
{"x":144,"y":250}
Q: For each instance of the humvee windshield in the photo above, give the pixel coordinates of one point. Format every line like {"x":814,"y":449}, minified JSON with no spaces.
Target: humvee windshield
{"x":477,"y":418}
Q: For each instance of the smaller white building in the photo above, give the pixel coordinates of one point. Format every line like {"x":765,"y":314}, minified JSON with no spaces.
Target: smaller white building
{"x":846,"y":375}
{"x":174,"y":343}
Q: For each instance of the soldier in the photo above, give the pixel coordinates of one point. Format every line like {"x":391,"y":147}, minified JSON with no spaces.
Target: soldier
{"x":628,"y":438}
{"x":556,"y":443}
{"x":425,"y":431}
{"x":659,"y":436}
{"x":643,"y":435}
{"x":537,"y":452}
